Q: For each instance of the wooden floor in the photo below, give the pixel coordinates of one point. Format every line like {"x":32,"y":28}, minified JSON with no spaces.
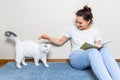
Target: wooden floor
{"x":2,"y":64}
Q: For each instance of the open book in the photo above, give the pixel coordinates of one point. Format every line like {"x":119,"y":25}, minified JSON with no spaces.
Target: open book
{"x":86,"y":45}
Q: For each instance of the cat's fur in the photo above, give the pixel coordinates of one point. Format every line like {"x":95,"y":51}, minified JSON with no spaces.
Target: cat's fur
{"x":28,"y":49}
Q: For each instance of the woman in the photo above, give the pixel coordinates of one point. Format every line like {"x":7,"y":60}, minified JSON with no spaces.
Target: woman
{"x":101,"y":61}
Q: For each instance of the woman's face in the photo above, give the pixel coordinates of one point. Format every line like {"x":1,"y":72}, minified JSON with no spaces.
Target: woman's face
{"x":81,"y":23}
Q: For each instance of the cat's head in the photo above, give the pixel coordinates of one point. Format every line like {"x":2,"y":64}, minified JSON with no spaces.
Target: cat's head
{"x":46,"y":47}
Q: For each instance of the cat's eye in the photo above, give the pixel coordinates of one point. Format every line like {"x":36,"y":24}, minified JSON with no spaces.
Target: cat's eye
{"x":45,"y":45}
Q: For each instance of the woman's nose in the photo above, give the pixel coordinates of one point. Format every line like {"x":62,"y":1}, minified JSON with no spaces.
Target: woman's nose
{"x":77,"y":24}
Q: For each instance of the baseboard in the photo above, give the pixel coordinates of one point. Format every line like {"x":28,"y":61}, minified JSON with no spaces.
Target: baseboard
{"x":118,"y":60}
{"x":48,"y":60}
{"x":31,"y":60}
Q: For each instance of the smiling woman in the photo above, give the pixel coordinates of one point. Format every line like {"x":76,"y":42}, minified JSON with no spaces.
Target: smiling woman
{"x":84,"y":18}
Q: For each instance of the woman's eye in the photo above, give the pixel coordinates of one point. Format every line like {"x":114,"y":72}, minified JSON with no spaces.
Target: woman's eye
{"x":80,"y":22}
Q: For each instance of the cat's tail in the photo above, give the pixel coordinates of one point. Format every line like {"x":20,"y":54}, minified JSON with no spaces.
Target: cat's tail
{"x":11,"y":35}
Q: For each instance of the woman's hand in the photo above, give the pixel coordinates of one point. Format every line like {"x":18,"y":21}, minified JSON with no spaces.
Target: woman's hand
{"x":98,"y":43}
{"x":43,"y":36}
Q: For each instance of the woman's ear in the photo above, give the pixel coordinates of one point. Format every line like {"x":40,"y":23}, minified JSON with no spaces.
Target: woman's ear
{"x":89,"y":21}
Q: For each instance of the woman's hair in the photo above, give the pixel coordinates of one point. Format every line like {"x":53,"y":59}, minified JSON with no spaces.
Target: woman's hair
{"x":85,"y":13}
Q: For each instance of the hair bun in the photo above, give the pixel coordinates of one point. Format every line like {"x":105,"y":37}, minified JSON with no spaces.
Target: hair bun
{"x":86,"y":8}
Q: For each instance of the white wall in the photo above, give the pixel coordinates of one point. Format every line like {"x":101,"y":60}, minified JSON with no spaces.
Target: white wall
{"x":29,"y":18}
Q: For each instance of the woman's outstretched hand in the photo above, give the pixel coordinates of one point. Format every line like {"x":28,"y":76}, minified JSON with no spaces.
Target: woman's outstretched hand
{"x":43,"y":36}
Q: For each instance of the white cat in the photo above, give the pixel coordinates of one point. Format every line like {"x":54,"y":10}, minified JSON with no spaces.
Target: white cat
{"x":28,"y":49}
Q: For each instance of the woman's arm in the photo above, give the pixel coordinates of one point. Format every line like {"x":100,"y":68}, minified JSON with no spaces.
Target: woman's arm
{"x":55,"y":41}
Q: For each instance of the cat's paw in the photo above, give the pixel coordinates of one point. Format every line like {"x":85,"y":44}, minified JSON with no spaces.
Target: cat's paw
{"x":19,"y":67}
{"x":47,"y":65}
{"x":25,"y":64}
{"x":37,"y":64}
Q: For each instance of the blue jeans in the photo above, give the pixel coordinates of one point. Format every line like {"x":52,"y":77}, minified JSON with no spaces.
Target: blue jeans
{"x":101,"y":61}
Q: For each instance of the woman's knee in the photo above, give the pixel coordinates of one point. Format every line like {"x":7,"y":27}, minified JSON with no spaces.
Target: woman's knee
{"x":75,"y":53}
{"x":104,"y":49}
{"x":93,"y":52}
{"x":105,"y":52}
{"x":78,"y":59}
{"x":79,"y":63}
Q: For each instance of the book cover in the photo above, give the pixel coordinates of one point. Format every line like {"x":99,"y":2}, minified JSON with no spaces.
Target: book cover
{"x":86,"y":45}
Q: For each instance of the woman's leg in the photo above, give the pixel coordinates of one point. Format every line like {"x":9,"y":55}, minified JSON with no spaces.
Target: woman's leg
{"x":90,"y":57}
{"x":79,"y":60}
{"x":110,"y":63}
{"x":98,"y":66}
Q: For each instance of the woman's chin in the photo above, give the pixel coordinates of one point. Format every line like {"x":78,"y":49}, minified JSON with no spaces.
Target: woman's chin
{"x":81,"y":28}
